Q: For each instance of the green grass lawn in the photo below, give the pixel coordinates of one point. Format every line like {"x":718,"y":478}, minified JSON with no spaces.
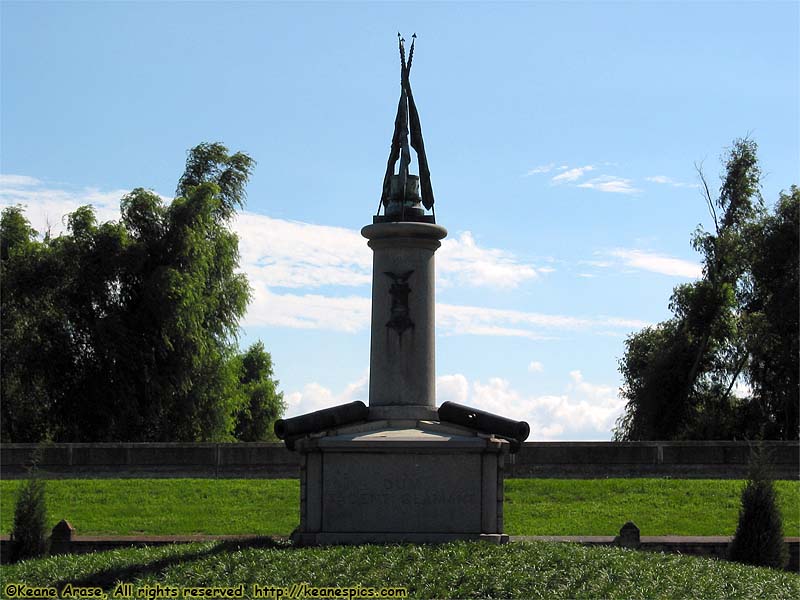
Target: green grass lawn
{"x":657,"y":506}
{"x":271,"y":507}
{"x":457,"y":570}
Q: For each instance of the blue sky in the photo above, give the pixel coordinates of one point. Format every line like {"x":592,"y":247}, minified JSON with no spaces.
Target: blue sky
{"x":561,"y":137}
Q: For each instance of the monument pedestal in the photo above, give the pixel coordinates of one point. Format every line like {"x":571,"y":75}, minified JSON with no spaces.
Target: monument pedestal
{"x":398,"y":471}
{"x":401,"y":481}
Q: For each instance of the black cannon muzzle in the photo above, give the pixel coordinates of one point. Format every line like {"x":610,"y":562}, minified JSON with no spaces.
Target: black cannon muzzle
{"x":290,"y":430}
{"x":484,"y":422}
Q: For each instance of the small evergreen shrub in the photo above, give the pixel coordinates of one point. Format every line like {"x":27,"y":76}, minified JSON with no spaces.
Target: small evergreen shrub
{"x":759,"y":536}
{"x":29,"y":534}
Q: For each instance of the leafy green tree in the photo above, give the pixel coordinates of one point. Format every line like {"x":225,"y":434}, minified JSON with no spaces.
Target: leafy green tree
{"x":263,"y":404}
{"x":33,"y":339}
{"x":772,"y":304}
{"x":679,"y":376}
{"x":127,"y":331}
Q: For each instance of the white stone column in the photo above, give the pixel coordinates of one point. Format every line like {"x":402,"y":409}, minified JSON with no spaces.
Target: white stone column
{"x":402,"y":382}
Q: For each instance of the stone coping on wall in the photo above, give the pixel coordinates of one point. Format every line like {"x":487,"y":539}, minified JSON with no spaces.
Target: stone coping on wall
{"x":712,"y":460}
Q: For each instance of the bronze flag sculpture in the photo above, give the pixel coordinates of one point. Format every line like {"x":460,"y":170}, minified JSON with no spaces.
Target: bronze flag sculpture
{"x":407,"y":119}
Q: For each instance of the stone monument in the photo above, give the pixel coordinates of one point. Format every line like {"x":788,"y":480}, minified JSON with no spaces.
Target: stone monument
{"x":400,"y":470}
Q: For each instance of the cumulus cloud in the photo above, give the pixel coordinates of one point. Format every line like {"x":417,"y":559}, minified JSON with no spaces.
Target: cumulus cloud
{"x":301,"y":255}
{"x":611,"y":184}
{"x":461,"y":261}
{"x":314,"y":396}
{"x":46,"y":206}
{"x":292,"y":254}
{"x":452,"y":388}
{"x":535,"y":367}
{"x":280,"y":255}
{"x":570,"y":175}
{"x":306,"y":311}
{"x":658,"y":263}
{"x":584,"y":410}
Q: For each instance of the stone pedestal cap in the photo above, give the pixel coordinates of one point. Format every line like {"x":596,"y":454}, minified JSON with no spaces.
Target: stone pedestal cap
{"x":400,"y":233}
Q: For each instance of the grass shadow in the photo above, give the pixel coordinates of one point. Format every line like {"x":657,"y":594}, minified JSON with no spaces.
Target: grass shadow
{"x":107,"y":578}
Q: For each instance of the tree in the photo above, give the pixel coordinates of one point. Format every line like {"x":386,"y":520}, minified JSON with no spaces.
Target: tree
{"x":679,"y":376}
{"x":263,"y":404}
{"x":127,"y":331}
{"x":771,"y":302}
{"x":759,"y":535}
{"x":33,"y":341}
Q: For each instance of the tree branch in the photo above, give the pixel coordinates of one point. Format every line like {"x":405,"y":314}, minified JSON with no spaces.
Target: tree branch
{"x":735,"y":376}
{"x":707,"y":195}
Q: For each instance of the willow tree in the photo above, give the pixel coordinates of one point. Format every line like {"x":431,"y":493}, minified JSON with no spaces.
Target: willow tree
{"x":679,"y":376}
{"x":127,"y":331}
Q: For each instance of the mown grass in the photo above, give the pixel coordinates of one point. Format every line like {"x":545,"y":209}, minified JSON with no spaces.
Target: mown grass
{"x":271,"y":507}
{"x":657,"y":506}
{"x":166,"y":506}
{"x":457,"y":570}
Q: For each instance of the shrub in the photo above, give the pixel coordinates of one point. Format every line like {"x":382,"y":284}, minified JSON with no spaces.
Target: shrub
{"x":759,"y":536}
{"x":29,"y":536}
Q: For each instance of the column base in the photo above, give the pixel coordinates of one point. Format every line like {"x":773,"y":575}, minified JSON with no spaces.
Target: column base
{"x":410,"y":412}
{"x":342,"y":538}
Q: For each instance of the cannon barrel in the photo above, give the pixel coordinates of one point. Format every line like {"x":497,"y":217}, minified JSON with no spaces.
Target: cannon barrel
{"x":484,"y":421}
{"x":320,"y":420}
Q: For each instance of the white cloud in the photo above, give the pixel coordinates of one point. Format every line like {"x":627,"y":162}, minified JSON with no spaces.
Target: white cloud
{"x":462,"y":261}
{"x":475,"y":320}
{"x":535,"y":367}
{"x":584,"y":411}
{"x":571,"y":175}
{"x":46,"y":208}
{"x":452,"y":388}
{"x":277,"y":253}
{"x":301,"y":255}
{"x":352,"y":314}
{"x":541,"y":169}
{"x":8,"y":180}
{"x":664,"y":180}
{"x":658,"y":263}
{"x":306,"y":311}
{"x":611,"y":184}
{"x":292,"y":254}
{"x":595,"y":263}
{"x":314,"y":396}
